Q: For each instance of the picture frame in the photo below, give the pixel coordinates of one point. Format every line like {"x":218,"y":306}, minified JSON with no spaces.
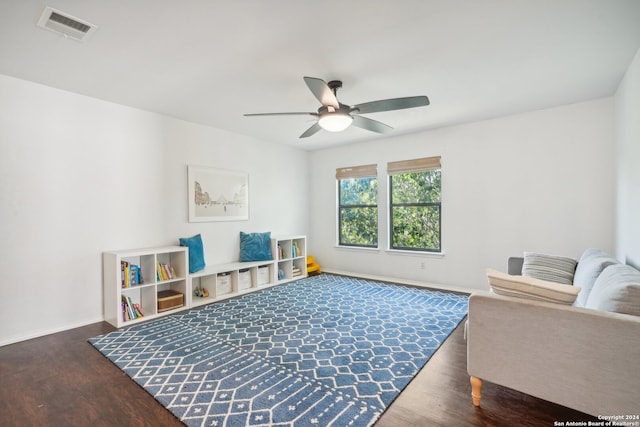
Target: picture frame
{"x":217,"y":194}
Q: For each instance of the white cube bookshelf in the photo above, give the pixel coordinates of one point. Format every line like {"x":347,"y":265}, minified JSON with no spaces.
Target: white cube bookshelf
{"x":290,"y":253}
{"x":220,"y":282}
{"x":144,"y":294}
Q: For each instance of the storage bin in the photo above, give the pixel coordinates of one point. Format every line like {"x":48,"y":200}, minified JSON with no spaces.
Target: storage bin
{"x":244,"y":279}
{"x":170,"y":299}
{"x":263,"y":275}
{"x":223,"y":285}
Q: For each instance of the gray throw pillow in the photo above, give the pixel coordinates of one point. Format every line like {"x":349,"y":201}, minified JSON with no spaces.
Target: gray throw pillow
{"x":592,"y":263}
{"x":617,"y":289}
{"x":551,"y":268}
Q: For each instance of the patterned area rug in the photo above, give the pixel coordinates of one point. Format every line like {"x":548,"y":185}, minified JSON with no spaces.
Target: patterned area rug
{"x":325,"y":350}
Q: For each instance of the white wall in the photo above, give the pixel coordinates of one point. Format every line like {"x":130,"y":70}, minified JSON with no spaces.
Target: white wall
{"x":540,"y":181}
{"x":627,"y":109}
{"x":79,"y":176}
{"x":277,"y":186}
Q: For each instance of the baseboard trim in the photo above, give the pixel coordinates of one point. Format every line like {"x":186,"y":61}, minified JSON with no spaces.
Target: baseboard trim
{"x":46,"y":332}
{"x":458,"y":289}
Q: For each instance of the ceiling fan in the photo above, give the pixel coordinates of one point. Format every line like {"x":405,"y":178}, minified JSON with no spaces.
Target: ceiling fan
{"x":335,"y":116}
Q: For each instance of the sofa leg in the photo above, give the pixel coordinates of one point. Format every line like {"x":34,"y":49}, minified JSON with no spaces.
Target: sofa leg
{"x":476,"y":388}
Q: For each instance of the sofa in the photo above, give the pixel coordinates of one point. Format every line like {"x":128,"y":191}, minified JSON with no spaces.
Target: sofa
{"x":576,"y":344}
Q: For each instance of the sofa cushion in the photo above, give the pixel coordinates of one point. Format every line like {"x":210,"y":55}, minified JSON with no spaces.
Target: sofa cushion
{"x":617,"y":289}
{"x":592,"y":262}
{"x":550,"y":268}
{"x":531,"y":288}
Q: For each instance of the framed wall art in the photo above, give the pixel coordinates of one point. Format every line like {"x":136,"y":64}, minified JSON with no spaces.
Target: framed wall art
{"x":217,"y":194}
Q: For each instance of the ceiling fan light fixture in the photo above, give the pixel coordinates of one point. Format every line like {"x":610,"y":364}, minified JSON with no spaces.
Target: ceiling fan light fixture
{"x":334,"y":116}
{"x":335,"y":122}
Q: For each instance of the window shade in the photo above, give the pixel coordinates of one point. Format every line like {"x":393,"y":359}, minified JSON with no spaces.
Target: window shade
{"x":415,"y":165}
{"x":365,"y":171}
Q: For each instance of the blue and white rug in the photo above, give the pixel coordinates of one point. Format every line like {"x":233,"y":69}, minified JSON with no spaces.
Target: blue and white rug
{"x":325,"y":350}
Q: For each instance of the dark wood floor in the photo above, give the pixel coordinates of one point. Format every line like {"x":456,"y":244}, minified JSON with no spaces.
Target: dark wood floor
{"x":61,"y":380}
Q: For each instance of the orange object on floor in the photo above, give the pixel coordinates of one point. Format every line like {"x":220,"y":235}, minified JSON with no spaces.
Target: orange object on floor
{"x":313,"y":267}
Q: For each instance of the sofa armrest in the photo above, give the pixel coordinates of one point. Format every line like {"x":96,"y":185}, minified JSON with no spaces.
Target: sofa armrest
{"x":580,"y":358}
{"x":514,"y":265}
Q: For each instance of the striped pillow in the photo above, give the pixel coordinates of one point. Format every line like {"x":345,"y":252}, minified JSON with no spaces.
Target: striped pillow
{"x":549,"y":267}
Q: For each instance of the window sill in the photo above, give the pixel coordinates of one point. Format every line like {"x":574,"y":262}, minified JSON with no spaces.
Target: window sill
{"x":398,"y":252}
{"x":357,"y":248}
{"x":415,"y":253}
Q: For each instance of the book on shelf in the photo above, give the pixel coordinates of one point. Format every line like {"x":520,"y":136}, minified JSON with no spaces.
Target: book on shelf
{"x":165,"y":272}
{"x":130,"y":310}
{"x":131,"y":274}
{"x":138,"y":310}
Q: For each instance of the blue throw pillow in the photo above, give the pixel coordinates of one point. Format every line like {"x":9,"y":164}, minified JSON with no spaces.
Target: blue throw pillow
{"x":196,"y":252}
{"x":255,"y":246}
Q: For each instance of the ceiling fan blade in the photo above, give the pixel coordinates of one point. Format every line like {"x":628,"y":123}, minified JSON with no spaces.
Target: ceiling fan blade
{"x":322,"y":91}
{"x":281,"y":114}
{"x":372,"y":125}
{"x":312,"y":130}
{"x":391,"y":104}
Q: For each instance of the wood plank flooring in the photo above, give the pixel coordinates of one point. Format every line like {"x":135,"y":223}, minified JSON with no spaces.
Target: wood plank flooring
{"x":61,"y":380}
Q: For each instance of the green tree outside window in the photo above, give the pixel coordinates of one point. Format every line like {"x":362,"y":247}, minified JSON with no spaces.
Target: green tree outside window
{"x":358,"y":212}
{"x":415,"y":211}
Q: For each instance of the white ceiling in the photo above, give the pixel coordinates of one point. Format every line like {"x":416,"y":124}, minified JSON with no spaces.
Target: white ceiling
{"x":210,"y":62}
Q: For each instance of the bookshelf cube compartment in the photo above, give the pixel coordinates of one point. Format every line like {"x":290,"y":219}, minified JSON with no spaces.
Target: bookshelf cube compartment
{"x":244,"y":279}
{"x":142,"y":297}
{"x":299,"y":268}
{"x":136,"y":270}
{"x":205,"y":283}
{"x":224,"y":285}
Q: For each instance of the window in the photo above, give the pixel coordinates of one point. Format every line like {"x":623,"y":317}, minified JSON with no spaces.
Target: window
{"x":358,"y":206}
{"x":414,"y":205}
